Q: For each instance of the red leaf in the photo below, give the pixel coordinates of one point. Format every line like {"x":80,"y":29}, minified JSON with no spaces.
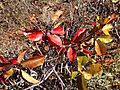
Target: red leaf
{"x":78,"y":33}
{"x":14,"y":61}
{"x":71,"y":54}
{"x":58,"y":30}
{"x":2,"y":59}
{"x":93,"y":23}
{"x":86,"y":51}
{"x":54,"y":40}
{"x":34,"y":35}
{"x":60,"y":50}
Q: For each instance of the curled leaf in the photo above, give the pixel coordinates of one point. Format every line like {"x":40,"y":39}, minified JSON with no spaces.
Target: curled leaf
{"x":57,"y":15}
{"x":100,"y":47}
{"x":71,"y":54}
{"x":8,"y":73}
{"x":58,"y":30}
{"x":29,"y":78}
{"x":107,"y":28}
{"x":33,"y":62}
{"x":54,"y":40}
{"x":105,"y":38}
{"x":34,"y":35}
{"x":78,"y":33}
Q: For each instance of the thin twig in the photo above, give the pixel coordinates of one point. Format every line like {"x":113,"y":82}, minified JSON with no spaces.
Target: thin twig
{"x":58,"y":76}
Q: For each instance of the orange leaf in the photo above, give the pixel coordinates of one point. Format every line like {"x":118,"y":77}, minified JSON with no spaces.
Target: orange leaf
{"x":71,"y":54}
{"x":54,"y":40}
{"x":33,"y":62}
{"x":7,"y":74}
{"x":100,"y":47}
{"x":29,"y":78}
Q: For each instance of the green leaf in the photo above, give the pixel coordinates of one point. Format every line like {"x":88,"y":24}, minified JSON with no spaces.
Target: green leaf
{"x":105,"y":38}
{"x":74,"y":74}
{"x":82,"y":59}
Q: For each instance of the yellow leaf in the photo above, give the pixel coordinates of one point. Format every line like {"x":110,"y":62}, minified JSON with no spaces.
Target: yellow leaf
{"x":21,"y":56}
{"x":29,"y":78}
{"x":115,"y":1}
{"x":74,"y":74}
{"x":33,"y":62}
{"x":8,"y":73}
{"x":100,"y":47}
{"x":94,"y":69}
{"x":87,"y":75}
{"x":57,"y":15}
{"x":107,"y":28}
{"x":105,"y":38}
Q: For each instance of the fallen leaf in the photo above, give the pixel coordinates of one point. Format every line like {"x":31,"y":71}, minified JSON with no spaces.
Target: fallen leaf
{"x":57,"y":15}
{"x":54,"y":40}
{"x":34,"y":35}
{"x":21,"y":56}
{"x":33,"y":62}
{"x":105,"y":38}
{"x":78,"y":33}
{"x":100,"y":47}
{"x":29,"y":78}
{"x":108,"y":62}
{"x":8,"y":73}
{"x":71,"y":54}
{"x":59,"y":30}
{"x":107,"y":28}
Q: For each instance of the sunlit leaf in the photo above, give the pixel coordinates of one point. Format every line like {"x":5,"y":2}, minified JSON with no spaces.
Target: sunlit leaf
{"x":115,"y":1}
{"x":33,"y":62}
{"x":71,"y":54}
{"x":29,"y":78}
{"x":105,"y":38}
{"x":94,"y":69}
{"x":58,"y":30}
{"x":100,"y":47}
{"x":87,"y":75}
{"x":13,"y":61}
{"x":60,"y":50}
{"x":21,"y":56}
{"x":78,"y":33}
{"x":74,"y":74}
{"x":57,"y":15}
{"x":34,"y":35}
{"x":81,"y":83}
{"x":54,"y":40}
{"x":7,"y":74}
{"x":107,"y":28}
